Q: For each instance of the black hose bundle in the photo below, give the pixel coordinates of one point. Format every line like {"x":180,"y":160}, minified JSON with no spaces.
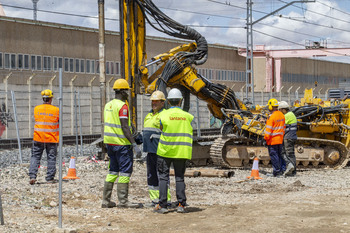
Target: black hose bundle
{"x":172,"y":28}
{"x":315,"y":113}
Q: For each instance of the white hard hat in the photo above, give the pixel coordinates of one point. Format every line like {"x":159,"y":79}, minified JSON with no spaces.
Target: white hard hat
{"x":157,"y":95}
{"x":283,"y":104}
{"x":174,"y":94}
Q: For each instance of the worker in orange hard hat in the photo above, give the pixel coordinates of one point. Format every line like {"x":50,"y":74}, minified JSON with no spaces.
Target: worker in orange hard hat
{"x":46,"y":136}
{"x":274,"y":132}
{"x":120,"y":142}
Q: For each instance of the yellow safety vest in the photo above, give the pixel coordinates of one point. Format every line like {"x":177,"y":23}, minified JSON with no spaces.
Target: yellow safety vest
{"x":151,"y":132}
{"x":176,"y":139}
{"x":113,"y":133}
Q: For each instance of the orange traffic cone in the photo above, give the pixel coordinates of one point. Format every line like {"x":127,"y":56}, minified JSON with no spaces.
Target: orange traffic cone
{"x":255,"y":170}
{"x":72,"y":174}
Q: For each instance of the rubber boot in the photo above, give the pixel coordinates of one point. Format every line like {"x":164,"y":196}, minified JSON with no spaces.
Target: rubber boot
{"x":123,"y":192}
{"x":107,"y":193}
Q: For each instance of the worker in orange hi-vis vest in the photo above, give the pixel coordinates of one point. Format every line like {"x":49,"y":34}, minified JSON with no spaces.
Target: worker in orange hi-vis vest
{"x":46,"y":135}
{"x":274,"y":131}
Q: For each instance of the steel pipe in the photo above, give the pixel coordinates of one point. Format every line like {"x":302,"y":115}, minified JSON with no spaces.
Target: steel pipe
{"x":188,"y":173}
{"x":216,"y":173}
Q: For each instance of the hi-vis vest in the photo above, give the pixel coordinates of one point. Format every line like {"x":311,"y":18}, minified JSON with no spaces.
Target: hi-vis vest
{"x":46,"y":128}
{"x":151,"y":132}
{"x":291,"y":126}
{"x":176,"y":139}
{"x":113,"y":133}
{"x":274,"y":130}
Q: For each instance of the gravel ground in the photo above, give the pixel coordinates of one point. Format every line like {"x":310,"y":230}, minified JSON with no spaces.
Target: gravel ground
{"x":313,"y":201}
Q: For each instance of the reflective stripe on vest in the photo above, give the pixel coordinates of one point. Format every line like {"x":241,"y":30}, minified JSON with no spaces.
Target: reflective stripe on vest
{"x":291,"y":121}
{"x":113,"y":133}
{"x":291,"y":127}
{"x":46,"y":128}
{"x":151,"y":132}
{"x":176,"y":139}
{"x":274,"y":129}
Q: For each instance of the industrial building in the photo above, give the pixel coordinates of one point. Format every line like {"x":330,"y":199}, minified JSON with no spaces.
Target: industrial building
{"x":31,"y":53}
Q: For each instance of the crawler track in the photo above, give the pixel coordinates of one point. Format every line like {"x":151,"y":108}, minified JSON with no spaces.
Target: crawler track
{"x":218,"y":151}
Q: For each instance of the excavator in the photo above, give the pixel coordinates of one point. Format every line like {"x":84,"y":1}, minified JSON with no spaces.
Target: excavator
{"x":323,"y":127}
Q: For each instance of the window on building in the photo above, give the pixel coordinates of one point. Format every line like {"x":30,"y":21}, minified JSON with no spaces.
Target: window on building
{"x":82,"y":65}
{"x":117,"y":68}
{"x":92,"y":67}
{"x":38,"y":62}
{"x":7,"y":61}
{"x":47,"y":63}
{"x":60,"y":62}
{"x":66,"y":64}
{"x":87,"y":66}
{"x":77,"y":65}
{"x":20,"y":61}
{"x":13,"y":61}
{"x":33,"y":62}
{"x":71,"y":65}
{"x":55,"y":63}
{"x":97,"y":67}
{"x":0,"y":60}
{"x":107,"y":67}
{"x":26,"y":61}
{"x":112,"y":68}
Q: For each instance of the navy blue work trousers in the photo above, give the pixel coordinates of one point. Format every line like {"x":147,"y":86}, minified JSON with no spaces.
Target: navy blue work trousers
{"x":277,"y":161}
{"x":152,"y":173}
{"x":121,"y":159}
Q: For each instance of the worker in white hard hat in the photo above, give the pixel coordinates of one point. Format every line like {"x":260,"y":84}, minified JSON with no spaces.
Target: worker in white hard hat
{"x":289,"y":139}
{"x":175,"y":147}
{"x":150,"y":137}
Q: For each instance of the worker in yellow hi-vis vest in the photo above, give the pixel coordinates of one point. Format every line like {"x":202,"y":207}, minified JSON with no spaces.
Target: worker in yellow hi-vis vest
{"x":175,"y":147}
{"x":120,"y":143}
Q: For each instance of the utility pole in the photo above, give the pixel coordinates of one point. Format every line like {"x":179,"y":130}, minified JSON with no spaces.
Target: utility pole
{"x":35,"y":9}
{"x":102,"y":59}
{"x":250,"y":45}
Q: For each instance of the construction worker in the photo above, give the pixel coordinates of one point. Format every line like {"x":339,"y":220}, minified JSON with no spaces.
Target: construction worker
{"x":289,"y":139}
{"x":274,"y":132}
{"x":175,"y":147}
{"x":119,"y":141}
{"x":151,"y":135}
{"x":46,"y":136}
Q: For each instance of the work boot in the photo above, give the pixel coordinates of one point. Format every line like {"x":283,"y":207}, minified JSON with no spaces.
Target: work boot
{"x":123,"y":192}
{"x":289,"y":169}
{"x":180,"y":209}
{"x":160,"y":210}
{"x":32,"y":181}
{"x":107,"y":193}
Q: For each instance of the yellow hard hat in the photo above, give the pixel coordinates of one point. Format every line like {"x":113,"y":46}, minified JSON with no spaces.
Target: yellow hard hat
{"x":120,"y":84}
{"x":47,"y":93}
{"x":158,"y":95}
{"x":272,"y":103}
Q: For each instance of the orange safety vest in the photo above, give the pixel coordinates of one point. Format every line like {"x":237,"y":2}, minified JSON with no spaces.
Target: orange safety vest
{"x":274,"y":130}
{"x":46,"y":127}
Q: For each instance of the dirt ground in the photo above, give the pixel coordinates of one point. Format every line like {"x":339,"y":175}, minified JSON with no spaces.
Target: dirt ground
{"x":313,"y":201}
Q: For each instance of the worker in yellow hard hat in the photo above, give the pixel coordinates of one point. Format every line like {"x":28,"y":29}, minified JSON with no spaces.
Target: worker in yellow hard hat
{"x":151,"y":135}
{"x":120,"y":142}
{"x":274,"y":132}
{"x":46,"y":136}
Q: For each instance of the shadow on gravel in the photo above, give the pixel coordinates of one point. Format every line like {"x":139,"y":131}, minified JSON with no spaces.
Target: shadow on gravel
{"x":193,"y":209}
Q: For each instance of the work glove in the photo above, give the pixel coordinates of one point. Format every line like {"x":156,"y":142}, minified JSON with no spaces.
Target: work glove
{"x":137,"y":150}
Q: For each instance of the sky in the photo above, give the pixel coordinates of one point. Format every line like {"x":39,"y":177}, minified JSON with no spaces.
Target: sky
{"x":219,"y":21}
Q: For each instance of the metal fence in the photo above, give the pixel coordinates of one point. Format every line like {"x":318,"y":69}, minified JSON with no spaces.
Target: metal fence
{"x":87,"y":102}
